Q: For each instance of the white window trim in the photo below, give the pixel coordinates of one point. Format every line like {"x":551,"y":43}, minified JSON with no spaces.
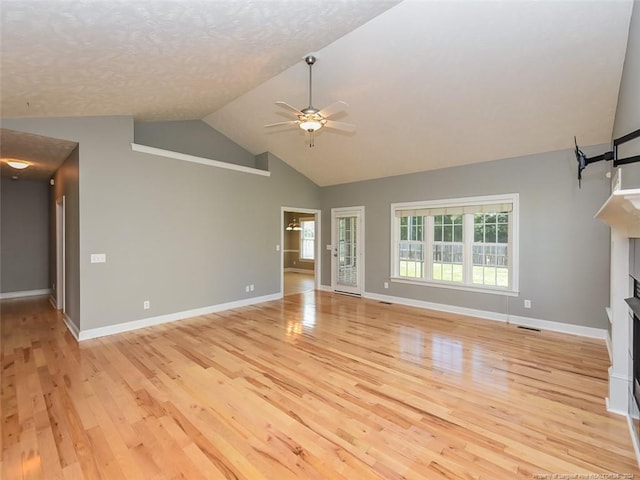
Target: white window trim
{"x":514,"y":231}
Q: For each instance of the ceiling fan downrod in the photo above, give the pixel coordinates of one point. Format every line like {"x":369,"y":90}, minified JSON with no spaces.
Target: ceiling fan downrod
{"x":310,"y":60}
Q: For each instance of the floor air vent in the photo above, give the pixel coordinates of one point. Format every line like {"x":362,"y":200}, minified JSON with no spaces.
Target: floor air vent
{"x":386,"y":303}
{"x":529,"y":328}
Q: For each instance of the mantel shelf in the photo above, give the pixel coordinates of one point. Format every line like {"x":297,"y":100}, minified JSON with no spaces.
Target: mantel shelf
{"x":622,"y":211}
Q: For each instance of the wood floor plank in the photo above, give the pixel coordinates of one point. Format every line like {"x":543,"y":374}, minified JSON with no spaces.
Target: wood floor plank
{"x":314,"y":386}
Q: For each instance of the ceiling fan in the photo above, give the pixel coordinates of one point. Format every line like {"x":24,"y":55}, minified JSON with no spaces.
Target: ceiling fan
{"x":311,"y":119}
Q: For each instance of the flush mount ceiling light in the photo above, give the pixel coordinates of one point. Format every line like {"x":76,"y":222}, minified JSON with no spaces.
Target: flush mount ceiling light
{"x":18,"y":164}
{"x":311,"y":119}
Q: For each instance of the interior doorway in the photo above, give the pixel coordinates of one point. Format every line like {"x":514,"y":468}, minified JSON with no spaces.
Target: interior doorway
{"x":300,"y":250}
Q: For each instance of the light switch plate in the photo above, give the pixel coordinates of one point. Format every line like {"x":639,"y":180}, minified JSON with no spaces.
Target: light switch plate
{"x":98,"y":258}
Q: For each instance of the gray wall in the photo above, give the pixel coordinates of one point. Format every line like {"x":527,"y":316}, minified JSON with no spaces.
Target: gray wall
{"x":193,"y":137}
{"x":24,"y":235}
{"x":564,"y":252}
{"x":67,"y":185}
{"x":628,"y":111}
{"x":181,"y":235}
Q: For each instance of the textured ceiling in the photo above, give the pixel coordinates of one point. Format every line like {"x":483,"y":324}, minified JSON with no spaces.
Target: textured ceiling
{"x":436,"y":84}
{"x":430,"y":84}
{"x":45,"y":154}
{"x":162,"y":60}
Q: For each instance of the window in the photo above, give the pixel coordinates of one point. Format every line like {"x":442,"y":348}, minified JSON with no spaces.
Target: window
{"x":468,"y":243}
{"x":307,"y":239}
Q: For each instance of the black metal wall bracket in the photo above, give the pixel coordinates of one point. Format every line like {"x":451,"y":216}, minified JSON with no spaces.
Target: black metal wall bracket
{"x":583,"y":160}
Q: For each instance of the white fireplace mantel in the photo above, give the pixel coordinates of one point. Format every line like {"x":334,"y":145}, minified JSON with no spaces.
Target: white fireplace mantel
{"x":621,"y":211}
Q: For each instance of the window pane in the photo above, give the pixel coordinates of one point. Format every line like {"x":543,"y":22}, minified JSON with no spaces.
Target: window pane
{"x":448,"y":233}
{"x":503,"y":233}
{"x":437,"y":234}
{"x":457,"y":233}
{"x":478,"y":232}
{"x":411,"y":260}
{"x":490,"y":233}
{"x":447,"y":262}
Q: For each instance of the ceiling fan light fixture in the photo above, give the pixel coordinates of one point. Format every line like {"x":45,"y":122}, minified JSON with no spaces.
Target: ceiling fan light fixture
{"x":311,"y":125}
{"x":18,"y":164}
{"x":310,"y":119}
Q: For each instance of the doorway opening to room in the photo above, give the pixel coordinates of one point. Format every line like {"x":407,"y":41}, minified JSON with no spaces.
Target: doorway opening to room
{"x":300,"y":250}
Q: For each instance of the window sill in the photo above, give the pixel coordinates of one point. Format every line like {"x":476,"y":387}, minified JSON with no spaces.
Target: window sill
{"x":457,"y":286}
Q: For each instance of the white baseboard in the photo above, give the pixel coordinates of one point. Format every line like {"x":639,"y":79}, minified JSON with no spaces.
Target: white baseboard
{"x":618,"y":397}
{"x":25,"y":293}
{"x":298,"y":270}
{"x":324,"y":288}
{"x":499,"y":317}
{"x":609,"y":348}
{"x":71,"y":326}
{"x":53,"y":303}
{"x":634,"y":440}
{"x":580,"y":330}
{"x":171,"y":317}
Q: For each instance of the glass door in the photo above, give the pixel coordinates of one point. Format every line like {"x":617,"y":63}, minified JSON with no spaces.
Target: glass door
{"x":347,"y":267}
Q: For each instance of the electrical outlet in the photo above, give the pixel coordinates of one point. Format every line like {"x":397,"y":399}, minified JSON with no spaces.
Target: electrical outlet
{"x":527,"y":304}
{"x":246,"y":288}
{"x":386,"y":284}
{"x":146,"y":305}
{"x":251,"y":287}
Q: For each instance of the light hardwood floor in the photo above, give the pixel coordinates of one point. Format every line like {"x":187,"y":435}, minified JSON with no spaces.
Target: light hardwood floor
{"x":315,"y":386}
{"x":295,"y":282}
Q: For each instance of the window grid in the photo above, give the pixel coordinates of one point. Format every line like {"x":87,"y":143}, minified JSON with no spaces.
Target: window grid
{"x":490,"y":249}
{"x":307,"y":239}
{"x":465,"y":249}
{"x":411,"y":247}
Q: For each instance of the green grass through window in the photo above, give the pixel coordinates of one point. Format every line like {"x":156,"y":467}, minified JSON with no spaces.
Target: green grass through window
{"x":492,"y":276}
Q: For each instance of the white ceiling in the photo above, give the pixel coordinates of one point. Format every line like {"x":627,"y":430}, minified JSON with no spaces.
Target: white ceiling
{"x":429,"y":83}
{"x":157,"y":60}
{"x":44,"y":154}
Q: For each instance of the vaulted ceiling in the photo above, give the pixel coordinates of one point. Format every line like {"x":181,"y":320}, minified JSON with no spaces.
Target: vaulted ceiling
{"x":429,"y":83}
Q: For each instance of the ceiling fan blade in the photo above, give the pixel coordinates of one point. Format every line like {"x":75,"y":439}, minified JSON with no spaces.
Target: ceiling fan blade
{"x":334,"y":108}
{"x":286,"y":106}
{"x":291,"y":122}
{"x":345,"y":127}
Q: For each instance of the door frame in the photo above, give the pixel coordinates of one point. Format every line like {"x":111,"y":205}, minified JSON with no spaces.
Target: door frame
{"x":360,"y":246}
{"x":318,"y":251}
{"x":60,"y":253}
